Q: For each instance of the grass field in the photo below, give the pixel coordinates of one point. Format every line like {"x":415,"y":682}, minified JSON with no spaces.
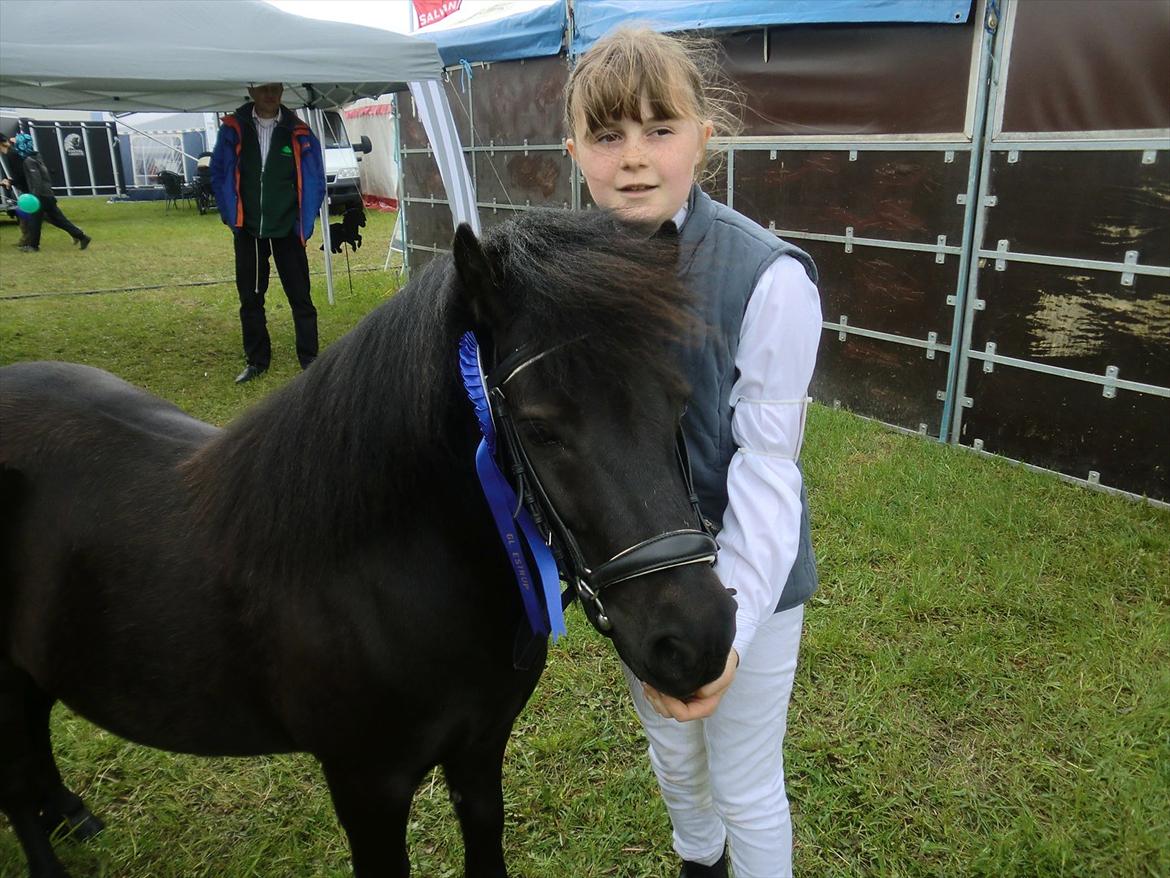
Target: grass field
{"x":984,"y":686}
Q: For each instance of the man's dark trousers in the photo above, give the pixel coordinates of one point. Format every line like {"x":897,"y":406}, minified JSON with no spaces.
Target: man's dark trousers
{"x":50,"y":213}
{"x":252,"y":269}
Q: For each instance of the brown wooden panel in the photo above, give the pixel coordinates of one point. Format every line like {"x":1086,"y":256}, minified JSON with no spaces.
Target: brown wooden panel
{"x":1081,"y":204}
{"x":411,"y":133}
{"x":1085,"y":65}
{"x":1068,"y":426}
{"x":899,"y":196}
{"x":429,"y":225}
{"x":850,"y":79}
{"x":420,"y":176}
{"x":1077,"y":319}
{"x":517,"y":100}
{"x":420,"y":259}
{"x":891,"y":382}
{"x":489,"y":219}
{"x":900,"y":292}
{"x":541,"y":178}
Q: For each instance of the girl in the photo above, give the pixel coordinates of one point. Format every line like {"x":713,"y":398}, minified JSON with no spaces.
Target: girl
{"x":640,"y":115}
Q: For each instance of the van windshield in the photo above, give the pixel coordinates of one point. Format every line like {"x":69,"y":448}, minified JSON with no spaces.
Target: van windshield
{"x":334,"y":130}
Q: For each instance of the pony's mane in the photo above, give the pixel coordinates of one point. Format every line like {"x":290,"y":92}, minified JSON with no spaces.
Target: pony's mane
{"x":380,"y":425}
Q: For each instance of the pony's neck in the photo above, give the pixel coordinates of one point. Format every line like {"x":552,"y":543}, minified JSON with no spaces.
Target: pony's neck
{"x":374,"y":433}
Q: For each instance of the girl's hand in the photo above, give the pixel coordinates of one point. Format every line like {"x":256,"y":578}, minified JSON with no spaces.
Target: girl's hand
{"x":701,"y":704}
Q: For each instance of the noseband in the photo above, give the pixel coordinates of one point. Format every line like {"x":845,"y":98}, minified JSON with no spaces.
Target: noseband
{"x":663,"y":551}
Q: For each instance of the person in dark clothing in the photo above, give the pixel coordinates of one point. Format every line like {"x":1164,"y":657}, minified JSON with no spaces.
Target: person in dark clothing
{"x":12,"y":179}
{"x":268,"y":176}
{"x":38,"y":182}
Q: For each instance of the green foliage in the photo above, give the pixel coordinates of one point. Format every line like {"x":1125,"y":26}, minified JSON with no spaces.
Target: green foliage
{"x":984,"y":686}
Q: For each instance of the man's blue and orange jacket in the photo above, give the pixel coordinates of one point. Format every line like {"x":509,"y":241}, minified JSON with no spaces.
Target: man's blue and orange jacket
{"x":308,"y":161}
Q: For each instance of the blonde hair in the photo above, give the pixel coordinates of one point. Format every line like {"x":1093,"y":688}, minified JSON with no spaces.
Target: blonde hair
{"x":633,"y":63}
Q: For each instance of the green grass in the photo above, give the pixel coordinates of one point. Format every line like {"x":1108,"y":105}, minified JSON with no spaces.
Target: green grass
{"x":984,"y":686}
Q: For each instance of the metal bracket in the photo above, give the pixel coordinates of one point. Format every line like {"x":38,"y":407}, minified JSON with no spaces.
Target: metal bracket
{"x":526,"y":146}
{"x":949,"y":156}
{"x":977,"y":444}
{"x":951,"y":301}
{"x":491,"y":147}
{"x":1094,"y":477}
{"x":931,"y":341}
{"x":849,"y":239}
{"x":1131,"y":258}
{"x":836,"y":404}
{"x":941,"y":257}
{"x":990,"y":201}
{"x":1149,"y":156}
{"x":978,"y":305}
{"x":844,"y":321}
{"x":988,"y":365}
{"x":961,"y":198}
{"x":1013,"y":156}
{"x":922,"y":429}
{"x":772,"y":155}
{"x":494,"y":210}
{"x":940,"y":395}
{"x":1001,"y":247}
{"x":967,"y":402}
{"x":852,"y":155}
{"x":1109,"y":391}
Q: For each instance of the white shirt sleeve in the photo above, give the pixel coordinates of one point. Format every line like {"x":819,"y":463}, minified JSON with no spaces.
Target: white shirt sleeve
{"x":761,"y":527}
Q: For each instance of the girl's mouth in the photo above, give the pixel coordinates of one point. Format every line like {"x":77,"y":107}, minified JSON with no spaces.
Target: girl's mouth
{"x":639,"y":187}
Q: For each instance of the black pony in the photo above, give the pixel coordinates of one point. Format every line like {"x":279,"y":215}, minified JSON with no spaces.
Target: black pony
{"x":323,"y":575}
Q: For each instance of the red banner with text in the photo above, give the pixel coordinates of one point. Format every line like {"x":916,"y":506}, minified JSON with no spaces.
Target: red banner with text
{"x":429,"y":11}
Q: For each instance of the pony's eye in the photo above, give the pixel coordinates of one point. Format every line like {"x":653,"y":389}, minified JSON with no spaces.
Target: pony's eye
{"x":539,"y":433}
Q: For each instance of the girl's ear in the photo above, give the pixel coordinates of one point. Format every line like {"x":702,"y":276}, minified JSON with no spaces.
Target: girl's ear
{"x":480,"y":292}
{"x":706,"y":129}
{"x":571,"y":148}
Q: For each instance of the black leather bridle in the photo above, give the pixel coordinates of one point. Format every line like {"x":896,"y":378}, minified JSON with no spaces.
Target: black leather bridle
{"x":660,"y":552}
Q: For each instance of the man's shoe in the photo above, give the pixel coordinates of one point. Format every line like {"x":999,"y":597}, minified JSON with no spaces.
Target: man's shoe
{"x":249,"y":373}
{"x":305,"y":364}
{"x":83,"y":242}
{"x":695,"y":870}
{"x":29,"y":248}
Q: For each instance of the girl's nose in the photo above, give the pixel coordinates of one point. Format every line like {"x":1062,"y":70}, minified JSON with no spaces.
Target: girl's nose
{"x":634,"y":154}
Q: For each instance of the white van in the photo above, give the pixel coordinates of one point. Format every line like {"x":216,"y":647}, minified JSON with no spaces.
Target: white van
{"x":341,"y":163}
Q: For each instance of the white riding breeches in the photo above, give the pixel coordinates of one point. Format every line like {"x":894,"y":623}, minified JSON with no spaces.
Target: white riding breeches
{"x":722,"y":778}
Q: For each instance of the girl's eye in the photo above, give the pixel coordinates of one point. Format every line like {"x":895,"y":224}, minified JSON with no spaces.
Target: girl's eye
{"x":607,"y":137}
{"x":661,"y":132}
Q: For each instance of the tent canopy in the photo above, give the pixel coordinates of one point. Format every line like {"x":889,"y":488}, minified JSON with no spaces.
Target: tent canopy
{"x":538,"y":29}
{"x":194,"y":56}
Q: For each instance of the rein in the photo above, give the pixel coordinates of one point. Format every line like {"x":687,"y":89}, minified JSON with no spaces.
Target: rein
{"x":532,"y":504}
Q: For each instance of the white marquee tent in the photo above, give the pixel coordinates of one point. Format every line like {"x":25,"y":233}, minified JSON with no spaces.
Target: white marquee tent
{"x":197,"y":55}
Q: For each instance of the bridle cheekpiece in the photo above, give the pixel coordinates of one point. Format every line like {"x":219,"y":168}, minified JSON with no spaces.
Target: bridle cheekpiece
{"x":532,"y":505}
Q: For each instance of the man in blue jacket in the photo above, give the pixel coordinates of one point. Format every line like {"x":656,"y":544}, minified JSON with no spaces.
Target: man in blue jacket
{"x":268,"y":174}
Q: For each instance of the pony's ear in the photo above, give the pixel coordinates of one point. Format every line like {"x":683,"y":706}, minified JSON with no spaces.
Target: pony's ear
{"x":480,"y":292}
{"x":667,"y":230}
{"x":668,"y":234}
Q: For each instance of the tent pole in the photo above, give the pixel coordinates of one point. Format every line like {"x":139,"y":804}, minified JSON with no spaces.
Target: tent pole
{"x":317,"y":122}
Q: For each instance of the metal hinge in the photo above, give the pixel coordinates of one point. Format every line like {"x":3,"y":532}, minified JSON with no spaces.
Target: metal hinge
{"x":1109,"y":391}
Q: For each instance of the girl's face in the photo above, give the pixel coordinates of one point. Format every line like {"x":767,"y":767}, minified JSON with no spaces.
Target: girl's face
{"x":643,"y":170}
